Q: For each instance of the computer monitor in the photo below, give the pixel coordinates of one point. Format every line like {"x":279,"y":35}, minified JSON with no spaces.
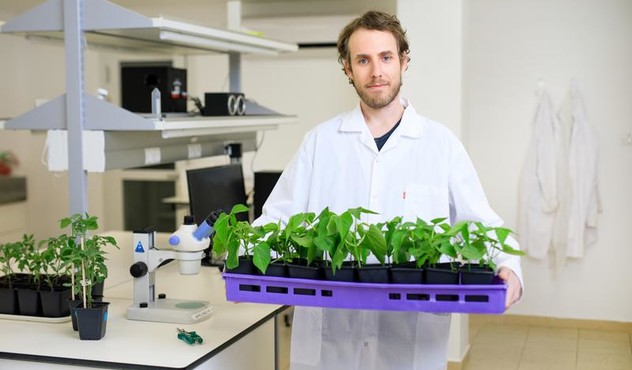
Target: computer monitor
{"x":212,"y":189}
{"x":215,"y":188}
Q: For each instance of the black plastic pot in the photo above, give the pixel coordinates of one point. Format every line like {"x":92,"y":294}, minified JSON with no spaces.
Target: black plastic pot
{"x":8,"y":301}
{"x":29,"y":302}
{"x":72,"y":304}
{"x":92,"y":322}
{"x":299,"y":269}
{"x":55,"y":302}
{"x":275,"y":268}
{"x":347,"y":272}
{"x":374,"y":273}
{"x":442,"y":273}
{"x":407,"y":273}
{"x":246,"y":266}
{"x":475,"y":274}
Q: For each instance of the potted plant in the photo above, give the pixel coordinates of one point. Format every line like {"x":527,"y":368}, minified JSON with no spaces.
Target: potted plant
{"x":429,"y":250}
{"x":406,"y":244}
{"x":293,"y":246}
{"x":8,"y":161}
{"x":28,"y":286}
{"x":331,"y":232}
{"x":477,"y":247}
{"x":55,"y":278}
{"x":371,"y":240}
{"x":9,"y":254}
{"x":86,"y":257}
{"x":232,"y":237}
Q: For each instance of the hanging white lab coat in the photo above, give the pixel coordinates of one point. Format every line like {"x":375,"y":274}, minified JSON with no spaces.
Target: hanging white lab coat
{"x":583,"y":193}
{"x":538,"y":189}
{"x":422,"y":171}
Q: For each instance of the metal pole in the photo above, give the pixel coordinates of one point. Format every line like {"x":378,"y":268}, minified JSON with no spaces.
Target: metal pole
{"x":75,"y":117}
{"x":234,"y":65}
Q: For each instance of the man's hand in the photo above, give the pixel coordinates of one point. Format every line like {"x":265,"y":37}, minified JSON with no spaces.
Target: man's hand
{"x":514,"y":289}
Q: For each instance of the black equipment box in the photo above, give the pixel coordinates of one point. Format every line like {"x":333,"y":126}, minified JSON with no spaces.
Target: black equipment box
{"x":224,"y":104}
{"x":137,"y":83}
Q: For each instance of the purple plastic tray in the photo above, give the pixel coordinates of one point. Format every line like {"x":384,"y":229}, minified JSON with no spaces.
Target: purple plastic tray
{"x":394,"y":297}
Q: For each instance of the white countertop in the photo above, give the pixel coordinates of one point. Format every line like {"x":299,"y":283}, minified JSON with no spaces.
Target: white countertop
{"x":129,"y":343}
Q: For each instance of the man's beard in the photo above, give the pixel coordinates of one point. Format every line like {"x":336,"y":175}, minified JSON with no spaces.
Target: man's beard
{"x":377,"y":102}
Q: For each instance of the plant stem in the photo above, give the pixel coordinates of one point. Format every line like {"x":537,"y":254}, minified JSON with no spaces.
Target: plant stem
{"x":83,"y":275}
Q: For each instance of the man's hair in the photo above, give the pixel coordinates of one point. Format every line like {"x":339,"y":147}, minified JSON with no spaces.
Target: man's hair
{"x":373,"y":20}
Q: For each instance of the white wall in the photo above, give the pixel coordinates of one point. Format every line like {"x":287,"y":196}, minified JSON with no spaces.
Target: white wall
{"x":512,"y":44}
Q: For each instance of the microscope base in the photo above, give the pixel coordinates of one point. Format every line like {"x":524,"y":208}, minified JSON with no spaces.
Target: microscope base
{"x":171,"y":310}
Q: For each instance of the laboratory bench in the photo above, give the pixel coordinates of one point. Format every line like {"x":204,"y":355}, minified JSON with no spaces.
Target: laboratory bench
{"x":236,"y":336}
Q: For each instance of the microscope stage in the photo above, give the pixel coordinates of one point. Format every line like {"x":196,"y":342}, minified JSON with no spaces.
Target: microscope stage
{"x":171,"y":310}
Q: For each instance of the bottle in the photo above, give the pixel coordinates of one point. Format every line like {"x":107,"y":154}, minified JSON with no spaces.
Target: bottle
{"x":155,"y":102}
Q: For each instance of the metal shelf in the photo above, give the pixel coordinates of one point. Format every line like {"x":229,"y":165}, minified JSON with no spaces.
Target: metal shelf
{"x":99,"y":136}
{"x":107,"y":24}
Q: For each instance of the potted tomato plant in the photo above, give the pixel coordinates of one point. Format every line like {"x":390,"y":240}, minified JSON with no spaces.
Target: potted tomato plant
{"x":86,"y":256}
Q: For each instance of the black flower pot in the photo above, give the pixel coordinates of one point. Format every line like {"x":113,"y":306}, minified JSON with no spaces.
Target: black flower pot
{"x":442,"y":273}
{"x":97,"y":289}
{"x":374,"y":273}
{"x":407,"y":273}
{"x":8,"y":301}
{"x":276,"y":268}
{"x":92,"y":322}
{"x":72,"y":304}
{"x":55,"y":302}
{"x":347,"y":272}
{"x":246,"y":266}
{"x":299,"y":269}
{"x":29,"y":301}
{"x":475,"y":274}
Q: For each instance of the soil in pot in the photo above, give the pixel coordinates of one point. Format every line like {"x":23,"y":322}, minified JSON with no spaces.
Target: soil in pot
{"x":347,"y":272}
{"x":442,"y":273}
{"x":374,"y":273}
{"x":407,"y":273}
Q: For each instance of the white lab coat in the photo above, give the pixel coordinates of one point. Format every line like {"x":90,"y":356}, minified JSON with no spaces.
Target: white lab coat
{"x":584,"y":201}
{"x":422,"y":171}
{"x":538,"y":191}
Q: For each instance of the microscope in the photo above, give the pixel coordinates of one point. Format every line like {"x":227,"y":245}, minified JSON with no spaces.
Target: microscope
{"x":186,"y":246}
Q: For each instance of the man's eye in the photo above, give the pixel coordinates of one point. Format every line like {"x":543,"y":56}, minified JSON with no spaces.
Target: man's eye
{"x":363,"y":61}
{"x":387,"y":58}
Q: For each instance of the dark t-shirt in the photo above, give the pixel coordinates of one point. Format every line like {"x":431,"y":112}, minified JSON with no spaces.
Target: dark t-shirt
{"x":380,"y":141}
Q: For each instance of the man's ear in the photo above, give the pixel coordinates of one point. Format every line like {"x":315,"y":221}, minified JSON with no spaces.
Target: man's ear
{"x":404,"y":62}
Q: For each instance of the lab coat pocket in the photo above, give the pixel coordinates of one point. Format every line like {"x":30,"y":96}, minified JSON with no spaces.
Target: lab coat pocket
{"x":306,"y":335}
{"x":426,"y":202}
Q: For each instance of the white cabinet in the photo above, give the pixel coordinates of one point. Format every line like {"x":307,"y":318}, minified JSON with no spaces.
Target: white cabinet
{"x":98,"y":136}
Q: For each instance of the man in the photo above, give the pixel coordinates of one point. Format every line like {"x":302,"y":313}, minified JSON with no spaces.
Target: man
{"x":384,"y":157}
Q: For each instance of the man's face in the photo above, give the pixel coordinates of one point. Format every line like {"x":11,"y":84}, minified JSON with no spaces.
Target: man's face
{"x":375,"y":67}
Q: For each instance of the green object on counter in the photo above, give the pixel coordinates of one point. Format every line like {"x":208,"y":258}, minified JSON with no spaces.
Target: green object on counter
{"x":190,"y":337}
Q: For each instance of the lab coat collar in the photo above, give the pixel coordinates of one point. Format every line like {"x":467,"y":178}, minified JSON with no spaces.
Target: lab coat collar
{"x":411,"y":124}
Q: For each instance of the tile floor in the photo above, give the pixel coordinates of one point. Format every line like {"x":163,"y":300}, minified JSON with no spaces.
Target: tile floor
{"x":531,"y":345}
{"x":496,"y":344}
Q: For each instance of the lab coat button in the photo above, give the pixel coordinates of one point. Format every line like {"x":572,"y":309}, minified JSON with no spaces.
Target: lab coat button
{"x":366,"y":344}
